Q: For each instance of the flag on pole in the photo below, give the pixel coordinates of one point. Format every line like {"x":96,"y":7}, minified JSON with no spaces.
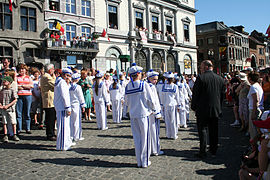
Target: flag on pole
{"x":59,"y":27}
{"x":10,"y":5}
{"x":268,"y":31}
{"x":117,"y":71}
{"x":104,"y":34}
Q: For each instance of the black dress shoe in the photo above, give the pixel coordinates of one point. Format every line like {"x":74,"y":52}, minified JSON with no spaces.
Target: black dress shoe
{"x":51,"y":138}
{"x":200,"y":155}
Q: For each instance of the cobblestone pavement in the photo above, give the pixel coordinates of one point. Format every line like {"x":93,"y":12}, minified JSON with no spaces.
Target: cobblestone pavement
{"x":110,"y":155}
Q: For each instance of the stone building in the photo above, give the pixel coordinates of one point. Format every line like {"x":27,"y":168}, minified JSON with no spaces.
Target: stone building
{"x":259,"y":50}
{"x":21,"y":37}
{"x":77,"y":18}
{"x":156,"y":35}
{"x":227,"y":47}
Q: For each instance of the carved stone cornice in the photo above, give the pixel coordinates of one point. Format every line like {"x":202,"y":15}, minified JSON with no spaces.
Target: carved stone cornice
{"x":139,"y":5}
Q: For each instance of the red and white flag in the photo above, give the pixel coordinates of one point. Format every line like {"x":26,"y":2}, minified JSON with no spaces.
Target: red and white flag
{"x":10,"y":5}
{"x":268,"y":31}
{"x":104,"y":34}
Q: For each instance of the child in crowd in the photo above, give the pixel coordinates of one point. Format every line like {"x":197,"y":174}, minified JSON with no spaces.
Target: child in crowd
{"x":36,"y":96}
{"x":77,"y":103}
{"x":8,"y":99}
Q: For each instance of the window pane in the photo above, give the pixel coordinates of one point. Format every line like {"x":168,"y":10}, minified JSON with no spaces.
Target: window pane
{"x":73,"y":9}
{"x":1,"y":9}
{"x":67,"y":27}
{"x":73,"y":1}
{"x":87,"y":11}
{"x":7,"y":22}
{"x":23,"y":11}
{"x":73,"y":28}
{"x":32,"y":12}
{"x":83,"y":29}
{"x":83,"y":2}
{"x":24,"y":23}
{"x":68,"y":36}
{"x":83,"y":11}
{"x":73,"y":34}
{"x":6,"y":7}
{"x":88,"y":30}
{"x":51,"y":25}
{"x":67,"y":8}
{"x":29,"y":52}
{"x":32,"y":22}
{"x":8,"y":51}
{"x":1,"y":22}
{"x":87,"y":3}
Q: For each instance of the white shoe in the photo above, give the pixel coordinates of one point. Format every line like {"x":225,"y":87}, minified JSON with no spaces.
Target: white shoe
{"x":82,"y":138}
{"x":236,"y":123}
{"x":73,"y":144}
{"x":93,"y":115}
{"x":145,"y":166}
{"x":105,"y":128}
{"x":185,"y":126}
{"x":175,"y":138}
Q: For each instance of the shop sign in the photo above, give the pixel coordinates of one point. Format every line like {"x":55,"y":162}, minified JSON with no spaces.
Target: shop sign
{"x":74,"y":53}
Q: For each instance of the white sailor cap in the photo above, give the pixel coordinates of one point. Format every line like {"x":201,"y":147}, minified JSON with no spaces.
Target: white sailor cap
{"x":152,"y":73}
{"x":99,"y":74}
{"x":76,"y":76}
{"x":115,"y":77}
{"x":66,"y":71}
{"x":120,"y":73}
{"x":165,"y":74}
{"x":170,"y":75}
{"x":135,"y":69}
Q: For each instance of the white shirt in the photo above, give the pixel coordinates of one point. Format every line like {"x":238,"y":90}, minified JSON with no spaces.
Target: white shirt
{"x":155,"y":96}
{"x":36,"y":90}
{"x":139,"y":98}
{"x":102,"y":95}
{"x":61,"y":95}
{"x":255,"y":88}
{"x":76,"y":96}
{"x":117,"y":93}
{"x":170,"y":95}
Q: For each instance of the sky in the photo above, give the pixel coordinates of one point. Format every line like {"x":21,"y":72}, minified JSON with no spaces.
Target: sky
{"x":252,"y":14}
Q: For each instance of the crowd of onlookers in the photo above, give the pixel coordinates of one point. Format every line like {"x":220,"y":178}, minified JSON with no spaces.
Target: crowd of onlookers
{"x":248,"y":92}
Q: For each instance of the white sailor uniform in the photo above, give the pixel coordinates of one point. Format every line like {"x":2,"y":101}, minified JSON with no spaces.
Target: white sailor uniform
{"x":171,"y":102}
{"x":123,"y":84}
{"x":183,"y":99}
{"x":139,"y":98}
{"x":189,"y":92}
{"x":116,"y":99}
{"x":101,"y":99}
{"x":77,"y":102}
{"x":61,"y":105}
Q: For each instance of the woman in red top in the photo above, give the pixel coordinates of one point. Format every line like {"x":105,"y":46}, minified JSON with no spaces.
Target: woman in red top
{"x":25,"y":84}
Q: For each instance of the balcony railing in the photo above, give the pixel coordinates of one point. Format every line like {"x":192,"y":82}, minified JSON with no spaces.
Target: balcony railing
{"x":51,"y":43}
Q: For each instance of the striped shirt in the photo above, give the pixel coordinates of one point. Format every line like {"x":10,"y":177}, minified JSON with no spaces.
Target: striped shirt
{"x":26,"y":80}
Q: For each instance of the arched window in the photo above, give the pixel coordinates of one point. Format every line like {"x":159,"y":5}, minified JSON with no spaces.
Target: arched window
{"x":140,"y":59}
{"x":188,"y":64}
{"x":170,"y":63}
{"x":112,"y":61}
{"x":156,"y":62}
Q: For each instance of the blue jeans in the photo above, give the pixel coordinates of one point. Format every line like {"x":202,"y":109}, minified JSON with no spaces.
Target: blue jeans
{"x":23,"y":108}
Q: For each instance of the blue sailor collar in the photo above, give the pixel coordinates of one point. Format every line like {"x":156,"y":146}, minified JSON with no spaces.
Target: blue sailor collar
{"x":169,"y":88}
{"x":135,"y":90}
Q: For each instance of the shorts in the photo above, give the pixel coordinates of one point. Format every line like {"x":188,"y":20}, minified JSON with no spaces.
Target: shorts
{"x":8,"y":117}
{"x":36,"y":107}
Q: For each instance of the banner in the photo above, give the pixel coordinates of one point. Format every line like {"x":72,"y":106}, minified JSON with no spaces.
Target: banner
{"x":143,"y":36}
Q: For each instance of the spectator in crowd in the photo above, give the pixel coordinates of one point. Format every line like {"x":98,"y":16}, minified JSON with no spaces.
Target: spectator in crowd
{"x":23,"y":107}
{"x":255,"y":97}
{"x":36,"y":98}
{"x":47,"y":82}
{"x":208,"y":92}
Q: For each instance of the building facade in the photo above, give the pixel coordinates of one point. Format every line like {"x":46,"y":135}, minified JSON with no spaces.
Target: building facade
{"x":21,"y":37}
{"x":227,"y":47}
{"x":74,"y":46}
{"x":156,"y":34}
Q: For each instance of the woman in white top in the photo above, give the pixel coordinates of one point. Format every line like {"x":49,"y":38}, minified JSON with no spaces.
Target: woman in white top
{"x":116,"y":95}
{"x":255,"y":97}
{"x":101,"y":100}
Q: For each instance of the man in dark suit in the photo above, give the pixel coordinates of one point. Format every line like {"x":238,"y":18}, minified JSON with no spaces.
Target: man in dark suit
{"x":208,"y":93}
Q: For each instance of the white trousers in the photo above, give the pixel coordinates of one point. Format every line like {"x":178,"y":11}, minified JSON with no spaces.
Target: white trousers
{"x":170,"y":117}
{"x":101,"y":115}
{"x":63,"y":131}
{"x":154,"y":134}
{"x":183,"y":117}
{"x":141,"y":136}
{"x":117,"y":110}
{"x":76,"y":123}
{"x":125,"y":109}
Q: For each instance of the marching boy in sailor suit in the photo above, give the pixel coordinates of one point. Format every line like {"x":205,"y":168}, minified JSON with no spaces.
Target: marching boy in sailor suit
{"x":154,"y":122}
{"x":116,"y":94}
{"x":63,"y":110}
{"x":171,"y":102}
{"x":77,"y":103}
{"x":139,"y":98}
{"x":101,"y":100}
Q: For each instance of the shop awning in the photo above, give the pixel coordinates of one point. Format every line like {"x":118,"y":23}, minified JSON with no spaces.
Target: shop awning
{"x":124,"y":58}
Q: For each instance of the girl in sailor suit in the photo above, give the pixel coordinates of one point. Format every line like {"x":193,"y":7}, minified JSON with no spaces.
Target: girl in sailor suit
{"x":63,"y":110}
{"x":183,"y":98}
{"x":154,"y":122}
{"x":159,"y":89}
{"x":171,"y":103}
{"x":77,"y":103}
{"x":116,"y":94}
{"x":101,"y":99}
{"x":123,"y":82}
{"x":140,"y":100}
{"x":189,"y":92}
